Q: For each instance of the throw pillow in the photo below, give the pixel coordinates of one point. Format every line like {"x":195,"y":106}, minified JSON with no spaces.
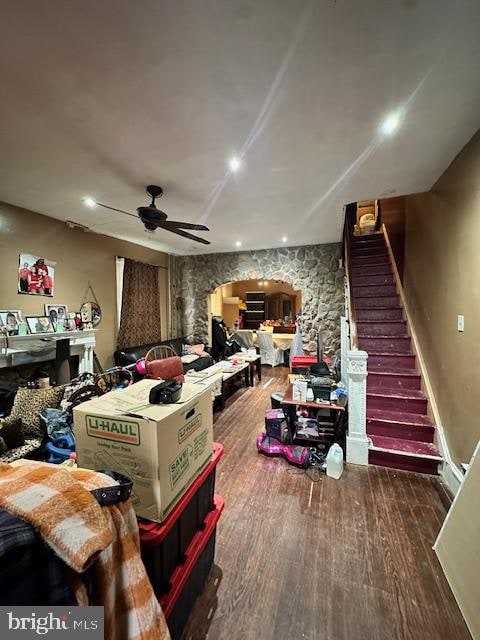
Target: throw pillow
{"x":197,"y":349}
{"x":11,"y":435}
{"x":28,"y":405}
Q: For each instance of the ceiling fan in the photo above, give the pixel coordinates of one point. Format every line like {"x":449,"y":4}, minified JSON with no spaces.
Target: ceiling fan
{"x":154,"y":218}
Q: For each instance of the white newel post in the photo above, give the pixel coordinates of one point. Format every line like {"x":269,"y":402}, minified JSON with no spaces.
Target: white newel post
{"x":344,"y":346}
{"x":357,"y":442}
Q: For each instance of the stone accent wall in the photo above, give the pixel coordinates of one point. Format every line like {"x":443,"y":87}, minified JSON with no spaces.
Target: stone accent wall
{"x":314,"y":270}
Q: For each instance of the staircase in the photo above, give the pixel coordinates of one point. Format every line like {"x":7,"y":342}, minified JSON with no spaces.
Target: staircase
{"x":399,"y":429}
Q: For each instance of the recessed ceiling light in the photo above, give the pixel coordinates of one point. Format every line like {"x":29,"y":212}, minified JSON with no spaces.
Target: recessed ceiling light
{"x":234,"y":163}
{"x":391,"y":123}
{"x":90,"y":203}
{"x":284,"y":239}
{"x":238,"y":243}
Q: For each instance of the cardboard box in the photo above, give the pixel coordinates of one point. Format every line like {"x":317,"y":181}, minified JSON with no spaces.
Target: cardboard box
{"x":161,"y":447}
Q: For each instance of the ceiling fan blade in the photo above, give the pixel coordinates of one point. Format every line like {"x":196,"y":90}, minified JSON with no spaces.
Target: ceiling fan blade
{"x":184,"y":234}
{"x":188,"y":225}
{"x":106,"y":206}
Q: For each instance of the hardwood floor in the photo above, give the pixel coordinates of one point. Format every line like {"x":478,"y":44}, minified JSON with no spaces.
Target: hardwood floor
{"x":357,"y":564}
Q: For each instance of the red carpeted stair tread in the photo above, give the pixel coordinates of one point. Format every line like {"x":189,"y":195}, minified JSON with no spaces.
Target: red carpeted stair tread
{"x":382,"y":321}
{"x":389,"y":354}
{"x":394,"y":371}
{"x":402,"y":447}
{"x":399,"y":417}
{"x":401,"y":394}
{"x":372,"y":336}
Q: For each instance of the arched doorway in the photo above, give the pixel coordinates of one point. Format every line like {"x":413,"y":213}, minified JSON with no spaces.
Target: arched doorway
{"x":249,"y":303}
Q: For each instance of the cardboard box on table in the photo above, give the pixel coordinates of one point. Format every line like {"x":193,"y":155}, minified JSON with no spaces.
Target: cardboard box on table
{"x":161,"y":447}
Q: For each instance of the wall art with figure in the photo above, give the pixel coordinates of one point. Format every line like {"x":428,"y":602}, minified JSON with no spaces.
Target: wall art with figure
{"x":36,"y":275}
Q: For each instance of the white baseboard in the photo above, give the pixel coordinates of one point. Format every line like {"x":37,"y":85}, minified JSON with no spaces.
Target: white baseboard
{"x":450,"y":474}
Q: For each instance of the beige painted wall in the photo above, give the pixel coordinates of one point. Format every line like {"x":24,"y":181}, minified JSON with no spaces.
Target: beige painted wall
{"x":441,"y":281}
{"x":80,"y":257}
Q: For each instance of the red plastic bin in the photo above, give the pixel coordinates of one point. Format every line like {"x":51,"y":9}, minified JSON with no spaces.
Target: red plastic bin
{"x":301,"y":364}
{"x":164,"y":545}
{"x":188,"y":580}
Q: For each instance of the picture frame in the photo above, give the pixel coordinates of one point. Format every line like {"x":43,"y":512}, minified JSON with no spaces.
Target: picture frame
{"x":36,"y":275}
{"x":70,"y":323}
{"x":40,"y":324}
{"x":9,"y":320}
{"x":57,"y":313}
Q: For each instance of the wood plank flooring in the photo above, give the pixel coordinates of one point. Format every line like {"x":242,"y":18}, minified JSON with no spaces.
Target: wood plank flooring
{"x":357,"y":564}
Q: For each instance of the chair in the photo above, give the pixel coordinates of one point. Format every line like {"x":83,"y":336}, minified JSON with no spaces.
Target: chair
{"x":269,"y":353}
{"x":244,"y":337}
{"x":159,"y":352}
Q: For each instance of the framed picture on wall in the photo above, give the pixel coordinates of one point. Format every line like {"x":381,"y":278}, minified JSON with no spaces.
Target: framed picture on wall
{"x":40,"y":324}
{"x":9,"y":321}
{"x":58,"y":313}
{"x":36,"y":275}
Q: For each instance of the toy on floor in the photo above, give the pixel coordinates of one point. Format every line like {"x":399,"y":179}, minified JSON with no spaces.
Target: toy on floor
{"x":294,"y":454}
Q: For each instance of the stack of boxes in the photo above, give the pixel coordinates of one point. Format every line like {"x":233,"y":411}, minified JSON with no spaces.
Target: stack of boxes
{"x":167,"y":451}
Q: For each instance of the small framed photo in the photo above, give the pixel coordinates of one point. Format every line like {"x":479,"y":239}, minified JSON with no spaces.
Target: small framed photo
{"x":70,"y":323}
{"x":9,"y":320}
{"x":40,"y":324}
{"x":58,"y":313}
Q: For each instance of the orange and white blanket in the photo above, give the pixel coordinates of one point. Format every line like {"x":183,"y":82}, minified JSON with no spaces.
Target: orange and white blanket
{"x":59,"y":505}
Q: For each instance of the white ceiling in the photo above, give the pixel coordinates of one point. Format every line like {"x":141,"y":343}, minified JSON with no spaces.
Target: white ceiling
{"x":100,"y":98}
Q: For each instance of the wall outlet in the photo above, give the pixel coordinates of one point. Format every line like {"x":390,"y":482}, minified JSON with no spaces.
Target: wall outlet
{"x":461,"y":323}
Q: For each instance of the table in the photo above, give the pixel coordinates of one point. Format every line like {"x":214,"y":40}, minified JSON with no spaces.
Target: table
{"x":255,"y":365}
{"x":232,"y":376}
{"x":219,"y":379}
{"x":282,"y":340}
{"x":336,"y":412}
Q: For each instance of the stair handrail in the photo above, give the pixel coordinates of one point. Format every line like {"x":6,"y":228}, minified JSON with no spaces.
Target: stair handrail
{"x":348,"y":287}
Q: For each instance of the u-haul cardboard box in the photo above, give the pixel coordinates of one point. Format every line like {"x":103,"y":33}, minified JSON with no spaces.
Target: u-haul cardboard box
{"x":161,"y":447}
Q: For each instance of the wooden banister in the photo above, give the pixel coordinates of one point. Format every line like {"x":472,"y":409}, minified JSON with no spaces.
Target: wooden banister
{"x":351,"y":303}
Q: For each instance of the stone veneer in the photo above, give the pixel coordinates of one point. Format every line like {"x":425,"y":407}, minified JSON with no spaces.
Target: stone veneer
{"x":314,"y":270}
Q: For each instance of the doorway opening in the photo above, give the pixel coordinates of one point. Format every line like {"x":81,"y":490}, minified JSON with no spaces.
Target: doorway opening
{"x":250,"y":304}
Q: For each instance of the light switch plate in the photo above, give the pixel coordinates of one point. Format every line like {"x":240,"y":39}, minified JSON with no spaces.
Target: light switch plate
{"x":460,"y":323}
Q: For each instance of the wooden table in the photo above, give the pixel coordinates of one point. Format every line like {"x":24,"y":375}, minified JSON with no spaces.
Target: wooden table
{"x":242,"y":369}
{"x":255,"y":365}
{"x":290,"y":405}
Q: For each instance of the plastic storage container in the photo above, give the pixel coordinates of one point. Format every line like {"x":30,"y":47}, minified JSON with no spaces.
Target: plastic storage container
{"x":164,"y":545}
{"x":335,"y":461}
{"x":301,"y":364}
{"x":188,"y":579}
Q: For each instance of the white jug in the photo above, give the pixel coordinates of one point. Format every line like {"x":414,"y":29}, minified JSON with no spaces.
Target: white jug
{"x":335,"y":461}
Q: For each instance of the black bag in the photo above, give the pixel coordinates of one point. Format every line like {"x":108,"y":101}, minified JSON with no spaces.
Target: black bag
{"x":167,"y":392}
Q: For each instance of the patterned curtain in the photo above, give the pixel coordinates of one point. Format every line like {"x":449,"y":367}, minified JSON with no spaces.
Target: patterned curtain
{"x":140,"y":319}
